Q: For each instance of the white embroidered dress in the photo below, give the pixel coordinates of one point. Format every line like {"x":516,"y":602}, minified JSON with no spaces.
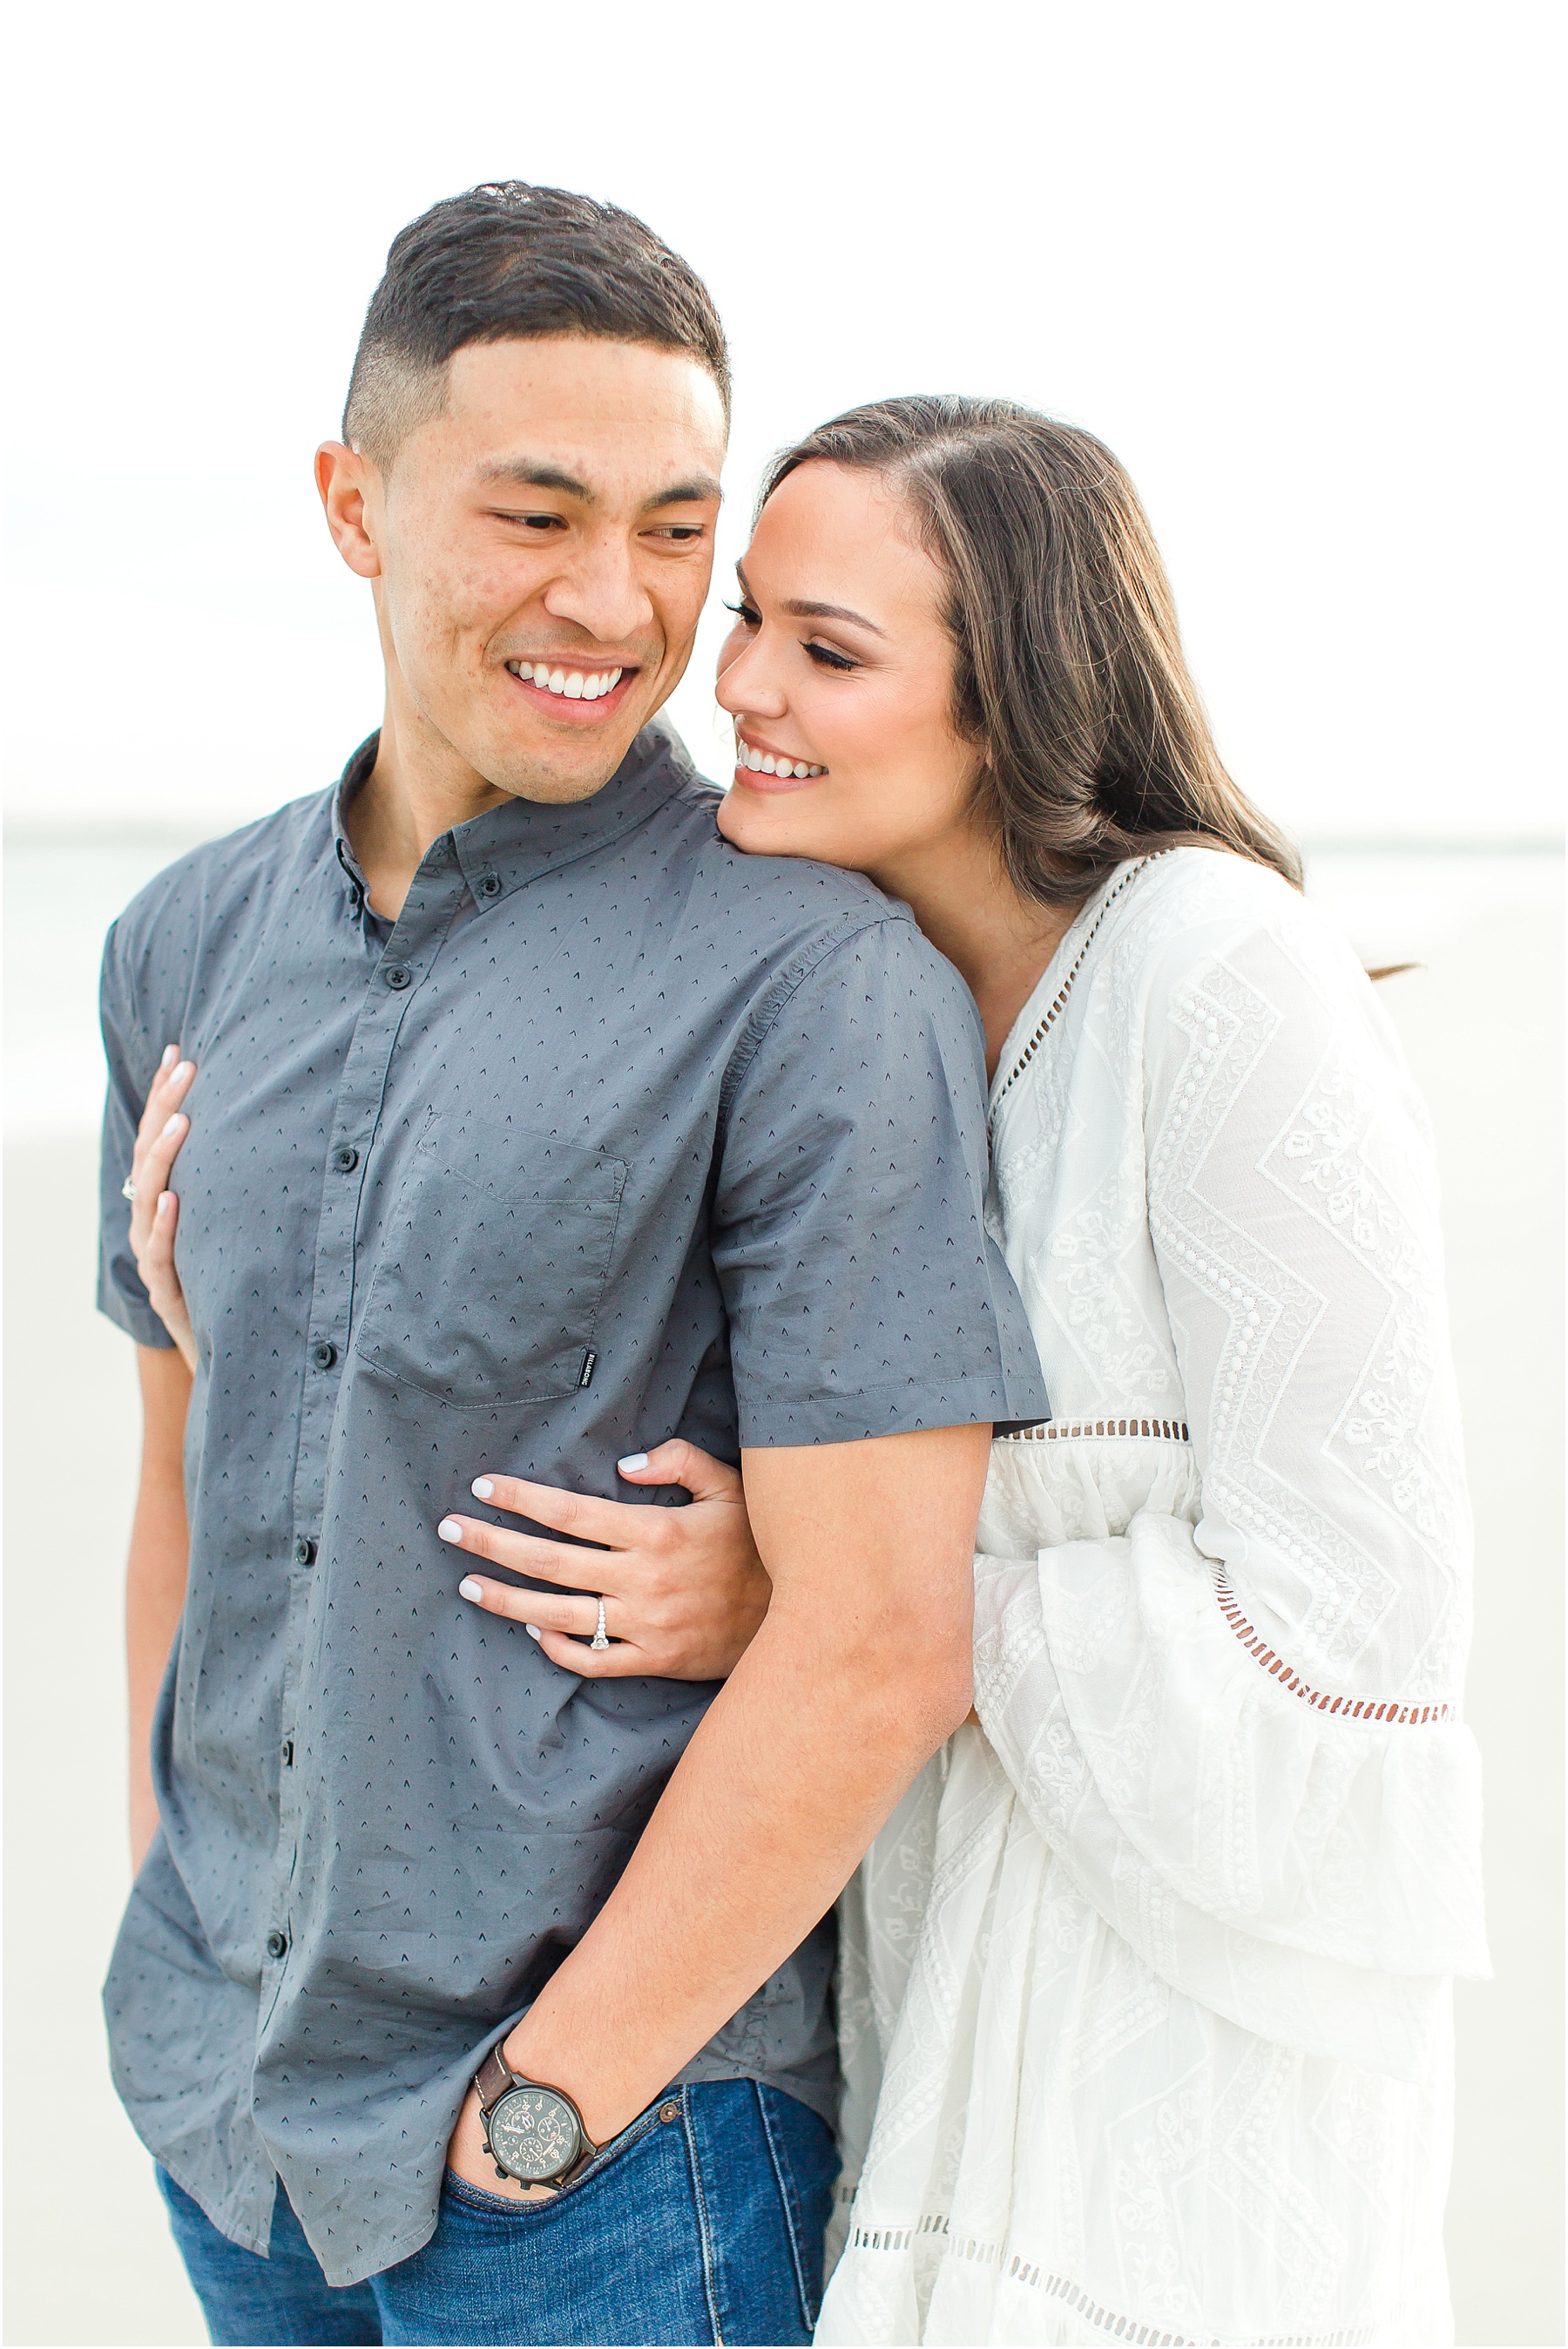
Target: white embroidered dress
{"x":1148,"y":1983}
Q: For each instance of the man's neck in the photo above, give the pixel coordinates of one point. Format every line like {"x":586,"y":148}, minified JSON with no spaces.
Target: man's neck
{"x":999,"y":941}
{"x":418,"y":789}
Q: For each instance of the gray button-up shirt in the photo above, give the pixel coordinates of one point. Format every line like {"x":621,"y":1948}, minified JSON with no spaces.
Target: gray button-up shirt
{"x":615,"y":1134}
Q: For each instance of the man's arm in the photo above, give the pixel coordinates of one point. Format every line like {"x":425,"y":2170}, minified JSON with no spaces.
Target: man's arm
{"x":859,"y":1672}
{"x":156,"y":1570}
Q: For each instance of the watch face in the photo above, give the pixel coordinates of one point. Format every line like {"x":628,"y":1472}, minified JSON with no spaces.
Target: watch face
{"x":533,"y":2134}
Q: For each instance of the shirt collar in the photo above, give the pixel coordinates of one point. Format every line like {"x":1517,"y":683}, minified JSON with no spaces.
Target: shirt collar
{"x":514,"y":843}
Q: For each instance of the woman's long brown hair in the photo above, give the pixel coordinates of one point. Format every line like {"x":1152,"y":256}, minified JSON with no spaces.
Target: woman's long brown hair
{"x":1069,"y":676}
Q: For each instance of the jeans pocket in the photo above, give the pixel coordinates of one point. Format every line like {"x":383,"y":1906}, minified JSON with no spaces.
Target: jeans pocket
{"x":480,"y":2198}
{"x":795,"y":2136}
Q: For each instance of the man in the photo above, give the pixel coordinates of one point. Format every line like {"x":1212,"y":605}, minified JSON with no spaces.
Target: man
{"x":528,"y":1119}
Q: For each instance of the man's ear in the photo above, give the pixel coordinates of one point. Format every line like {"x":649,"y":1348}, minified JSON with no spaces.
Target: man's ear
{"x":349,"y":488}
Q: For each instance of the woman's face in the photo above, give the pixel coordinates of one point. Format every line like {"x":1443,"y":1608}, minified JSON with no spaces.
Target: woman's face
{"x":839,"y":675}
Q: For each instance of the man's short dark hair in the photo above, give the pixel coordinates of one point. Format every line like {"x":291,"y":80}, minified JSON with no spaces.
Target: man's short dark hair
{"x":509,"y":262}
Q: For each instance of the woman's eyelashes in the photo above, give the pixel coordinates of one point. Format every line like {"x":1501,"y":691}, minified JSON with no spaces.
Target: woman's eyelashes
{"x":824,"y":655}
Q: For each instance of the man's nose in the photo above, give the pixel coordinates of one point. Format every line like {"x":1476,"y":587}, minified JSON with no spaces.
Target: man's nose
{"x":599,"y":590}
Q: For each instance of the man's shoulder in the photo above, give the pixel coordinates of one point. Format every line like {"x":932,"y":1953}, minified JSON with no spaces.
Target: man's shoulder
{"x":796,"y":904}
{"x":774,"y":908}
{"x":211,"y":881}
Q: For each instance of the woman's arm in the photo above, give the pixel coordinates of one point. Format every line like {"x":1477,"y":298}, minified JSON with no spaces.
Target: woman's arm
{"x":1242,"y":1736}
{"x":158,"y":1560}
{"x":156,"y":1569}
{"x":685,"y":1590}
{"x":1293,"y":1215}
{"x":154,"y":1209}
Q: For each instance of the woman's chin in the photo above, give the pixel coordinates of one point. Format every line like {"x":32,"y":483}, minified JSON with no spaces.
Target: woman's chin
{"x":759,"y":828}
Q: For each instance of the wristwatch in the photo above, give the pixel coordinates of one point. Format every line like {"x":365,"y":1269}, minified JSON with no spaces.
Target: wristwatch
{"x":533,"y":2132}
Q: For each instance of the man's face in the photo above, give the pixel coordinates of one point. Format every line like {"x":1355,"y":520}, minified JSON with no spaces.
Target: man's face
{"x":540,"y":553}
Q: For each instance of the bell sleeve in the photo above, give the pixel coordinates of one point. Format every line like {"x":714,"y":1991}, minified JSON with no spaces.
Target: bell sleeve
{"x":1242,"y":1736}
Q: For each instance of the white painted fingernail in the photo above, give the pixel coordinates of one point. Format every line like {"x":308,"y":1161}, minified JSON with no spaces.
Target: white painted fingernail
{"x":185,"y":1068}
{"x":532,"y":1630}
{"x":450,"y":1529}
{"x":469,"y":1589}
{"x":481,"y":1489}
{"x":171,"y":1053}
{"x":165,"y":1203}
{"x":173,"y":1126}
{"x":633,"y":1460}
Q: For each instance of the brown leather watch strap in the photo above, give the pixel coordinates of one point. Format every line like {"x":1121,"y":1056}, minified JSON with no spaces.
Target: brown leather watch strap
{"x":493,"y":2078}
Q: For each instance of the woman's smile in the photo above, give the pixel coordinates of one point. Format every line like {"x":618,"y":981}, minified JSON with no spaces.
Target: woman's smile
{"x":763,"y":767}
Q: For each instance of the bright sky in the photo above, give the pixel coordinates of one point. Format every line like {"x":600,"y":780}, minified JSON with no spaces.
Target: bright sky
{"x":1291,"y":262}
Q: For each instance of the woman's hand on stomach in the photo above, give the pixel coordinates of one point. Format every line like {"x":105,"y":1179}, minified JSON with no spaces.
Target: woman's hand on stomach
{"x":154,"y":1209}
{"x":684,"y":1590}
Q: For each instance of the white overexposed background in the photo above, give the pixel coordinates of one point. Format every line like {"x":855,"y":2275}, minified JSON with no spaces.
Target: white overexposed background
{"x":1293,"y":264}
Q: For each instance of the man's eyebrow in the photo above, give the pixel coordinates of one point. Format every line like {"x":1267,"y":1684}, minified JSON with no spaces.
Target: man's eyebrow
{"x":700,"y":489}
{"x":799,"y":611}
{"x":523,"y":473}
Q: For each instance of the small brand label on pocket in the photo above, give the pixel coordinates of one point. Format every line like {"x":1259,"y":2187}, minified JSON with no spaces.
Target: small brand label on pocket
{"x":590,"y":1360}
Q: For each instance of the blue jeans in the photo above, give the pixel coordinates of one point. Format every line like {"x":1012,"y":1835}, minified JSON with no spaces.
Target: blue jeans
{"x":705,"y":2226}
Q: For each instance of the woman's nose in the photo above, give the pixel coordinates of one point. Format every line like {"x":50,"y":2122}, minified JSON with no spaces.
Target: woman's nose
{"x":743,"y":683}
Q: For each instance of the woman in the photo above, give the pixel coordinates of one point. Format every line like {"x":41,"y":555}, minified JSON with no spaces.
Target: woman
{"x":1145,"y":1978}
{"x":1144,"y":2006}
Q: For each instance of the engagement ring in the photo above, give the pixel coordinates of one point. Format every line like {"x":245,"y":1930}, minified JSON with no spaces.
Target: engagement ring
{"x":599,"y":1639}
{"x":127,"y":1189}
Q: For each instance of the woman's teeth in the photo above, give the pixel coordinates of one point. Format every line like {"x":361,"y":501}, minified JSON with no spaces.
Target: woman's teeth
{"x":572,"y":683}
{"x":763,"y":762}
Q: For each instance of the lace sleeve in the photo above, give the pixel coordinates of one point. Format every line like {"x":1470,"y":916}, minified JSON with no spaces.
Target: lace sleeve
{"x":1292,"y":1206}
{"x":1244,"y":1737}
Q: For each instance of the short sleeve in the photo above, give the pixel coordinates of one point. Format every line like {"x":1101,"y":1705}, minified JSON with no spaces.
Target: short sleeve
{"x":132,"y":1061}
{"x":865,"y":1296}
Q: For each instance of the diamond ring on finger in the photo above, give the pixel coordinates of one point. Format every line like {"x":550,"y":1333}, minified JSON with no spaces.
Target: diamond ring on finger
{"x":601,"y":1638}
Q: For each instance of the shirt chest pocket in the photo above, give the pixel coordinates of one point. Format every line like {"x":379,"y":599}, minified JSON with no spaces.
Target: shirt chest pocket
{"x":492,"y":1266}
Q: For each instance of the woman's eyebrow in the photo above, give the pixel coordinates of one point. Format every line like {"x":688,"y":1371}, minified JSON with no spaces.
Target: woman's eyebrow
{"x":832,"y":611}
{"x":802,"y":611}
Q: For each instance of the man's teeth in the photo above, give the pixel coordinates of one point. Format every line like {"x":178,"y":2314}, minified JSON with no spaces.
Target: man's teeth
{"x":763,"y":762}
{"x":574,"y":684}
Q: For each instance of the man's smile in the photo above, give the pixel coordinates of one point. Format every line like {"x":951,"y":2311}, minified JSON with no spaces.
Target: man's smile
{"x":574,"y":689}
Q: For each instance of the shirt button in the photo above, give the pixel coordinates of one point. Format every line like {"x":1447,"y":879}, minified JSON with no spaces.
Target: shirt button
{"x":398,"y":975}
{"x":276,"y":1944}
{"x":304,"y":1551}
{"x":324,"y":1354}
{"x":346,"y":1161}
{"x":490,"y":884}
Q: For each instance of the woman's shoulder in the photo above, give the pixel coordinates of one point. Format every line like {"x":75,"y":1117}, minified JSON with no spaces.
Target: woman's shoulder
{"x":1183,"y":885}
{"x":1186,"y":908}
{"x":1151,"y":924}
{"x":1213,"y":948}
